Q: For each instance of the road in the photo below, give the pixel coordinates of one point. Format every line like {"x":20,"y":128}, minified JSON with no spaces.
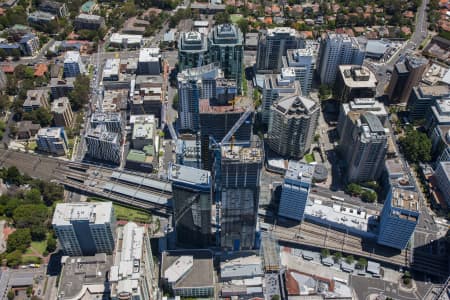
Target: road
{"x":419,"y":35}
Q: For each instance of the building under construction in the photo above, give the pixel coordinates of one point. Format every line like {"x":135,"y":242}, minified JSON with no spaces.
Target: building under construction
{"x":192,"y":205}
{"x":237,"y":171}
{"x":216,"y":121}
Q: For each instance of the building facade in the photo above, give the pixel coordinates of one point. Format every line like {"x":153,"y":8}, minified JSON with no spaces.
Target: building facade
{"x":52,"y":140}
{"x":200,"y":83}
{"x":303,"y":61}
{"x":272,"y":46}
{"x":295,"y":190}
{"x":215,"y":122}
{"x":192,"y":205}
{"x":62,"y":112}
{"x":103,"y":145}
{"x":35,"y":99}
{"x":423,"y":97}
{"x":407,"y":74}
{"x":90,"y":22}
{"x":236,"y":190}
{"x":225,"y":43}
{"x":149,"y":62}
{"x":355,"y":82}
{"x":399,"y":218}
{"x":73,"y":66}
{"x":85,"y":228}
{"x":335,"y":50}
{"x":193,"y":50}
{"x":277,"y":86}
{"x":442,"y":175}
{"x":292,"y":126}
{"x":363,"y":145}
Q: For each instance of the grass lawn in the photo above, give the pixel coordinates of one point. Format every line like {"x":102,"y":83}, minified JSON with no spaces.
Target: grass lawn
{"x":309,"y":158}
{"x":235,"y":17}
{"x":38,"y":246}
{"x":31,"y":260}
{"x":126,"y":213}
{"x":32,"y":145}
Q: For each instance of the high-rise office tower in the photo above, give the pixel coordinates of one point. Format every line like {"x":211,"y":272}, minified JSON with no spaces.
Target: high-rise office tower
{"x":216,"y":121}
{"x":192,"y":205}
{"x":272,"y":46}
{"x":206,"y":82}
{"x":292,"y":125}
{"x":275,"y":87}
{"x":103,"y":145}
{"x":364,"y":145}
{"x":295,"y":190}
{"x":149,"y":61}
{"x":359,"y":105}
{"x":338,"y":49}
{"x":85,"y":228}
{"x":399,"y":218}
{"x":192,"y":50}
{"x":355,"y":82}
{"x":303,"y":61}
{"x":226,"y":47}
{"x":407,"y":73}
{"x":423,"y":97}
{"x":236,"y":179}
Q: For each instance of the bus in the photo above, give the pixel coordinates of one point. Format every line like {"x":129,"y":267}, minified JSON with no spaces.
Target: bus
{"x":337,"y":198}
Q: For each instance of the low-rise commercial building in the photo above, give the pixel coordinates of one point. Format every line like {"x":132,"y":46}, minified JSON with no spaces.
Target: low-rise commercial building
{"x":73,"y":66}
{"x":35,"y":99}
{"x":188,"y":273}
{"x":84,"y":277}
{"x":125,"y":41}
{"x":56,"y":8}
{"x":61,"y":87}
{"x":149,"y":62}
{"x":90,"y":22}
{"x":132,"y":276}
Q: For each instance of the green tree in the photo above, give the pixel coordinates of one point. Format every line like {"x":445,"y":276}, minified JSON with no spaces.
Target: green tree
{"x":368,"y":196}
{"x":42,"y":116}
{"x":243,"y":25}
{"x":13,"y":176}
{"x":275,"y":297}
{"x":51,"y":244}
{"x":337,"y":256}
{"x":324,"y":92}
{"x":416,"y":146}
{"x":325,"y":252}
{"x":350,"y":259}
{"x":362,"y":262}
{"x":222,"y":18}
{"x":38,"y":233}
{"x":175,"y":102}
{"x":52,"y":192}
{"x":33,"y":196}
{"x":79,"y":96}
{"x":3,"y":54}
{"x":29,"y":291}
{"x":11,"y":294}
{"x":354,"y":189}
{"x":19,"y":240}
{"x":15,"y":53}
{"x":5,"y":104}
{"x":29,"y":215}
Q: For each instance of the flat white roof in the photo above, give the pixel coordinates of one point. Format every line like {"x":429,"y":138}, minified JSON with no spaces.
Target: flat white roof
{"x":94,"y":212}
{"x":339,"y":214}
{"x":149,"y":54}
{"x":179,"y":268}
{"x":118,"y":38}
